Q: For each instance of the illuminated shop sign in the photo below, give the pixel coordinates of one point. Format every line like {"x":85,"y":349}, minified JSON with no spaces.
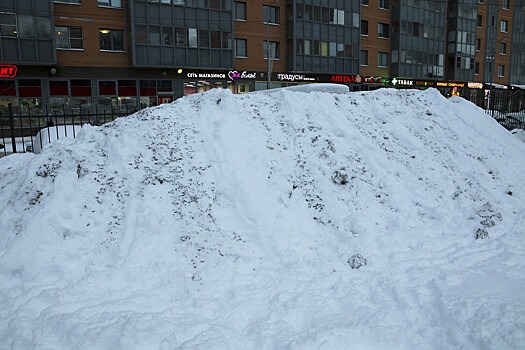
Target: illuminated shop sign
{"x":449,"y":84}
{"x":192,"y":75}
{"x":235,"y":75}
{"x":472,"y":85}
{"x":405,"y":82}
{"x":346,"y":79}
{"x":293,"y":77}
{"x":8,"y":71}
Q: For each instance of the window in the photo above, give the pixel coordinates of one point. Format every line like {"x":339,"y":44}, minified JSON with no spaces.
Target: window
{"x":363,"y":57}
{"x":501,"y":70}
{"x":192,"y":37}
{"x":274,"y":50}
{"x":336,"y":16}
{"x":26,"y":26}
{"x":68,"y":38}
{"x":364,"y":2}
{"x":111,"y":40}
{"x":383,"y":4}
{"x":239,"y":10}
{"x":382,"y":59}
{"x":480,"y":21}
{"x":270,"y":14}
{"x":241,"y":48}
{"x":110,"y":3}
{"x":364,"y":27}
{"x":180,"y":37}
{"x":204,"y":38}
{"x":8,"y":25}
{"x":476,"y":68}
{"x":68,"y":1}
{"x":503,"y":48}
{"x":167,"y":36}
{"x":506,"y":4}
{"x":504,"y":26}
{"x":478,"y":44}
{"x":383,"y":30}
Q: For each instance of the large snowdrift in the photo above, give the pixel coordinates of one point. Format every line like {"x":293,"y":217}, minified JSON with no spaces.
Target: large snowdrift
{"x":290,"y":220}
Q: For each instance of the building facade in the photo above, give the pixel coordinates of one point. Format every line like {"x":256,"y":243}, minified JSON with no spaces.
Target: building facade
{"x":130,"y":54}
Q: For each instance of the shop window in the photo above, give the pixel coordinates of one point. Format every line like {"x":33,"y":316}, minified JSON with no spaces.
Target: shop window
{"x":148,"y":88}
{"x":80,"y":88}
{"x":239,"y":11}
{"x":164,"y":86}
{"x":29,"y":88}
{"x":68,"y":38}
{"x":58,"y":87}
{"x":7,"y":87}
{"x":8,"y":25}
{"x":107,"y":88}
{"x":111,"y":40}
{"x":127,"y":88}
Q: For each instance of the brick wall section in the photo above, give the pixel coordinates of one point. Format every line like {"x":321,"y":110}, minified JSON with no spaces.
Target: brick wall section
{"x":372,"y":43}
{"x":91,"y":18}
{"x":254,"y":31}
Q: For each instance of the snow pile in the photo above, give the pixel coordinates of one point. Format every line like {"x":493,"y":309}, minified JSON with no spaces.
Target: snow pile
{"x":291,"y":220}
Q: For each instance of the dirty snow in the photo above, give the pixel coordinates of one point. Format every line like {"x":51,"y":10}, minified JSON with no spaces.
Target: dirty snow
{"x":310,"y":219}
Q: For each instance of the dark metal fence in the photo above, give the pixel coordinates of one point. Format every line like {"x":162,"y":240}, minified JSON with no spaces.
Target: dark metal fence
{"x":28,"y":130}
{"x":506,"y":105}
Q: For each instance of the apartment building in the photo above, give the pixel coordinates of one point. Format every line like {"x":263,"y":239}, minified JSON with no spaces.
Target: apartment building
{"x":129,"y":54}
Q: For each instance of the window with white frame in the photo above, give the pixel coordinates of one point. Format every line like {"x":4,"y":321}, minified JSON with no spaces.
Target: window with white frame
{"x":271,"y":14}
{"x":383,"y":4}
{"x":503,"y":48}
{"x":382,"y":59}
{"x":506,"y":4}
{"x":239,"y":11}
{"x":241,"y":48}
{"x":68,"y":38}
{"x":111,"y":40}
{"x":8,"y":25}
{"x":274,"y":50}
{"x":363,"y":58}
{"x":501,"y":70}
{"x":364,"y":27}
{"x":383,"y":30}
{"x":110,"y":3}
{"x":504,"y":26}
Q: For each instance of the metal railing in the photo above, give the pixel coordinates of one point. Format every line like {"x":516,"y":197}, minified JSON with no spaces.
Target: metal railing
{"x":29,"y":130}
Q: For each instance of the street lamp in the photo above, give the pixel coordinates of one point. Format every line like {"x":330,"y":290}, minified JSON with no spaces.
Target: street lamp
{"x":268,"y":44}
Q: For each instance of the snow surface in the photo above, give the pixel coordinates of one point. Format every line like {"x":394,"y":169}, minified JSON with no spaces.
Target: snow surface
{"x":391,"y":219}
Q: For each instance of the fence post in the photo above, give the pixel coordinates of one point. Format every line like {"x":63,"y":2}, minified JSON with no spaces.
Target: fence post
{"x":12,"y":126}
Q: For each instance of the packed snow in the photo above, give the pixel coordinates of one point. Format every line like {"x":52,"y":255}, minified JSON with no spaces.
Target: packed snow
{"x":298,"y":219}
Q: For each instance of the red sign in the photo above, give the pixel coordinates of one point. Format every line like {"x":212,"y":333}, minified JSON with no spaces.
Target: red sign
{"x":8,"y":71}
